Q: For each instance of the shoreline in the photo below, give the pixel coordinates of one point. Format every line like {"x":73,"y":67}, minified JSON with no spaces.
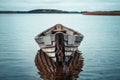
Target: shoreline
{"x":55,"y":11}
{"x":112,"y":13}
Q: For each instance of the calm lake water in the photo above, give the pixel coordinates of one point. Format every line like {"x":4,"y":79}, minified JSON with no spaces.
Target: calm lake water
{"x":100,"y":46}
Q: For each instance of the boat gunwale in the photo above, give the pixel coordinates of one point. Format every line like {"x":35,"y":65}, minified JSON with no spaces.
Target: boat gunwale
{"x":50,"y":29}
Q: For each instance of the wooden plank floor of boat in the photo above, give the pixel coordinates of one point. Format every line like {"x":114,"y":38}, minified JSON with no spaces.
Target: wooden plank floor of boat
{"x":48,"y":69}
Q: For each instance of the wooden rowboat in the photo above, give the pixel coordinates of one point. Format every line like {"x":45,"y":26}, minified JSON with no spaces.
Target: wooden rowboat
{"x":59,"y":57}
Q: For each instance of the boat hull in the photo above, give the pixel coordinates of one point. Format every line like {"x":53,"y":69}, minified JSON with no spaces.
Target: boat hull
{"x":59,"y":57}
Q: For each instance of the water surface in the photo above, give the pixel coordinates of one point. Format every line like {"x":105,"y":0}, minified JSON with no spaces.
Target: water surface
{"x":100,"y":46}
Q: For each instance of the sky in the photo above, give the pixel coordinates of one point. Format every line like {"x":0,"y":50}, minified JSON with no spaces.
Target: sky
{"x":74,"y":5}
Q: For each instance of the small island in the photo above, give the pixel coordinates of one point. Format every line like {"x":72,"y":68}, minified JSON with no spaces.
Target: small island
{"x":112,"y":13}
{"x":38,"y":11}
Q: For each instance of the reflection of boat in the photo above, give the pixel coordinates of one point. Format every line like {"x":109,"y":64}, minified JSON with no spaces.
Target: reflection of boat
{"x":50,"y":71}
{"x":69,"y":38}
{"x":59,"y":58}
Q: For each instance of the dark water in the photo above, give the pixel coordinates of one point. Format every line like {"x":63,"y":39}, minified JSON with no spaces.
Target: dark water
{"x":100,"y":47}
